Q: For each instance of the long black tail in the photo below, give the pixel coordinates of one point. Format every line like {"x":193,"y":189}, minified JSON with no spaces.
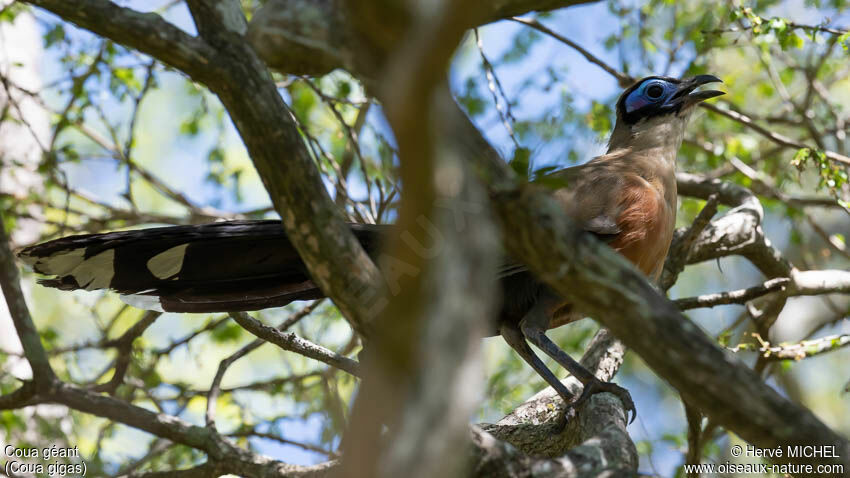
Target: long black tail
{"x":217,"y":267}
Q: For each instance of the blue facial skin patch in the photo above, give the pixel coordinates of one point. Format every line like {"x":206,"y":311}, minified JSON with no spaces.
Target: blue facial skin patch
{"x":646,"y":94}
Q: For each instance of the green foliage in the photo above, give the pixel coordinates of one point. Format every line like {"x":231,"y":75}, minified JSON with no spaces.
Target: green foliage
{"x":55,"y":34}
{"x":471,"y":98}
{"x":227,"y":332}
{"x":770,"y":30}
{"x":304,"y":100}
{"x":600,"y":118}
{"x":831,"y":175}
{"x":11,"y":11}
{"x":521,"y":163}
{"x":844,"y":40}
{"x":522,"y":44}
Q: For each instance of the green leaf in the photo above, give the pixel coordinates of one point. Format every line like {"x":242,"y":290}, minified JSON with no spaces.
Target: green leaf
{"x":54,"y":35}
{"x":216,"y":156}
{"x":10,"y":12}
{"x":800,"y":158}
{"x":521,"y":161}
{"x":791,"y":40}
{"x":844,"y":40}
{"x":599,"y":118}
{"x":226,"y":332}
{"x":127,"y":76}
{"x":343,"y":89}
{"x":191,"y":126}
{"x":522,"y":44}
{"x":778,"y":24}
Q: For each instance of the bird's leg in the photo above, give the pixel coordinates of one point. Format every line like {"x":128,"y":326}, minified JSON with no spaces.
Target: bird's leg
{"x":534,"y":326}
{"x":513,"y":336}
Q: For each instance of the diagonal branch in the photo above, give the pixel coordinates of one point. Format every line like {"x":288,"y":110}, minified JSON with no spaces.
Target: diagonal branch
{"x":739,"y":296}
{"x":599,"y":431}
{"x":777,"y":138}
{"x":623,"y":79}
{"x":291,"y":342}
{"x":504,"y":9}
{"x":799,"y":283}
{"x":685,"y":238}
{"x":43,"y":375}
{"x":147,"y":32}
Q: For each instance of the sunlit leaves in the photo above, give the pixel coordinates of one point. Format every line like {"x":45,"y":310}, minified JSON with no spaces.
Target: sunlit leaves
{"x":303,"y":100}
{"x":600,"y":118}
{"x":844,"y":40}
{"x":126,"y":78}
{"x":11,"y":11}
{"x":831,"y":175}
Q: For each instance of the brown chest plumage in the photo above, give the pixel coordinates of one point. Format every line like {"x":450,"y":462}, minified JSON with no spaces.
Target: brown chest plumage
{"x":646,"y":223}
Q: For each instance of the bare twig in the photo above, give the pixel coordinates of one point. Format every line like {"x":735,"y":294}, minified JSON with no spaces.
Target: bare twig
{"x":771,"y":135}
{"x":622,"y":78}
{"x":732,"y":297}
{"x":293,"y":343}
{"x":215,"y":388}
{"x":799,"y":350}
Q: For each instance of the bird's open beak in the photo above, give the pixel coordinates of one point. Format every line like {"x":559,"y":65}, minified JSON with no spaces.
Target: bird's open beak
{"x":688,"y":97}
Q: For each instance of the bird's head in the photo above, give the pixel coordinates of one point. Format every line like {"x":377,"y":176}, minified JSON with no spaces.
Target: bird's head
{"x":657,"y":108}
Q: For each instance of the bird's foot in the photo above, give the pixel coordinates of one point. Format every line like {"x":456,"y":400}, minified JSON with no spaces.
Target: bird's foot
{"x":597,"y":386}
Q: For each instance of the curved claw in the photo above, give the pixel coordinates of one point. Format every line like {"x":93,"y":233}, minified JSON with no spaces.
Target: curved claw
{"x":597,"y":386}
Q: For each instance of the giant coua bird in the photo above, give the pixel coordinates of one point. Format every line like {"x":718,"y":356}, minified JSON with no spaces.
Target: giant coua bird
{"x":626,"y":197}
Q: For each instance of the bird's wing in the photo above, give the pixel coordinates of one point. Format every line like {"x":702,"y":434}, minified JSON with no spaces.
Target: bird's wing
{"x":591,"y":196}
{"x":595,"y":212}
{"x":607,"y":198}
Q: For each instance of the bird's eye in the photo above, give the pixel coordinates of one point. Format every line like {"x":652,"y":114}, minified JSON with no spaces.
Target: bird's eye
{"x":655,"y":91}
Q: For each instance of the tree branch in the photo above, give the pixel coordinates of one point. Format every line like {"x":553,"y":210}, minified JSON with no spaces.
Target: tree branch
{"x":799,"y":283}
{"x":685,"y":238}
{"x":504,"y":9}
{"x":738,"y":232}
{"x":291,"y":342}
{"x":42,"y":373}
{"x":424,"y":369}
{"x":147,"y":32}
{"x":771,"y":135}
{"x":599,"y":431}
{"x":800,"y":350}
{"x":739,"y":296}
{"x":623,"y":79}
{"x":233,"y":459}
